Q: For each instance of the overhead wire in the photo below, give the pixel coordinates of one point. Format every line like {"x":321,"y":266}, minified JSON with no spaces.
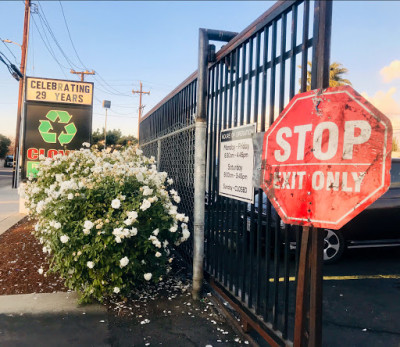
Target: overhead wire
{"x":8,"y":48}
{"x":42,"y":16}
{"x":105,"y":84}
{"x":49,"y":49}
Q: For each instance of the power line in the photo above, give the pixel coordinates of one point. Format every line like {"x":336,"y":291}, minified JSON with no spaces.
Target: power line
{"x":42,"y":16}
{"x":8,"y":48}
{"x":49,"y":49}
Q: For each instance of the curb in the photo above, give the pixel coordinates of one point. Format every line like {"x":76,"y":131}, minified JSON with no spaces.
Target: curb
{"x":46,"y":303}
{"x":10,"y":221}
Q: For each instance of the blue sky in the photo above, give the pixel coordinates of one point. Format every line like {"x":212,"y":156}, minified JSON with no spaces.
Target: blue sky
{"x":156,"y":43}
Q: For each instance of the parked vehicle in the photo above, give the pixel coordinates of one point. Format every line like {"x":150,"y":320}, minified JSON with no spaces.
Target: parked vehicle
{"x":376,"y":226}
{"x":8,"y":162}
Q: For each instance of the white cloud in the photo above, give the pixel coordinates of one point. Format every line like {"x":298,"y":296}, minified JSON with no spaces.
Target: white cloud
{"x":391,"y":72}
{"x":385,"y":102}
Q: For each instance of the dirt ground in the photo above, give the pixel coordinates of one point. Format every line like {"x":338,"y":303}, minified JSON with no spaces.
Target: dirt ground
{"x":21,"y":257}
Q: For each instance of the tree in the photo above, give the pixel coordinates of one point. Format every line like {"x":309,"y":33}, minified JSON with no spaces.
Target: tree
{"x":127,"y":140}
{"x":336,"y":72}
{"x":114,"y":138}
{"x":4,"y":144}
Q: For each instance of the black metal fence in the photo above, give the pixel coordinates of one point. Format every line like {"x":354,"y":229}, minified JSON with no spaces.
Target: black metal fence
{"x":247,"y":249}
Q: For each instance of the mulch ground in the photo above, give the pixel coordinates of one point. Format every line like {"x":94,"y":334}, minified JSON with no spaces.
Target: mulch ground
{"x":21,"y":256}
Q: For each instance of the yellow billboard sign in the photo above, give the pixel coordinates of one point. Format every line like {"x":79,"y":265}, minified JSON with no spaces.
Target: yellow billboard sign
{"x":59,"y":91}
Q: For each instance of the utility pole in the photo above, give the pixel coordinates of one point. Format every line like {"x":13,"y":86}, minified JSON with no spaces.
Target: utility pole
{"x":24,"y":50}
{"x":140,"y":92}
{"x":82,"y":73}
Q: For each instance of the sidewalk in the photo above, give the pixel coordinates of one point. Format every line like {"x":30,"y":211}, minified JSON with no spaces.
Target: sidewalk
{"x":9,"y":208}
{"x":56,"y":320}
{"x":163,"y":315}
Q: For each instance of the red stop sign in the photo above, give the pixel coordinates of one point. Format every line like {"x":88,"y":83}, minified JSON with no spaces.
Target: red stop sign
{"x":326,"y":158}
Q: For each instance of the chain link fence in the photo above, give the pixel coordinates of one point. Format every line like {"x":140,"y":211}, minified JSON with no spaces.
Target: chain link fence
{"x":175,"y":155}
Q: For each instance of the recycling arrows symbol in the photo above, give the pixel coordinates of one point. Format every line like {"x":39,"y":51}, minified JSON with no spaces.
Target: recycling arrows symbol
{"x":63,"y":118}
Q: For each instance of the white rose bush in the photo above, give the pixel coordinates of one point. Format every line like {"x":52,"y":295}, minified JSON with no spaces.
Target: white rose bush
{"x":105,"y":219}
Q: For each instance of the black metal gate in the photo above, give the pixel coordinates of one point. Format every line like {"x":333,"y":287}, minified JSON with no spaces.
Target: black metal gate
{"x":248,"y":255}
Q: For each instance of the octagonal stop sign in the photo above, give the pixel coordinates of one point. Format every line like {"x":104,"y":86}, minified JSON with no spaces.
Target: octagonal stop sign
{"x":326,"y":158}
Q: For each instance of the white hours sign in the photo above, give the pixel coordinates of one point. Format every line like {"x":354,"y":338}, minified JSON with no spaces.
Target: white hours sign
{"x":236,"y":163}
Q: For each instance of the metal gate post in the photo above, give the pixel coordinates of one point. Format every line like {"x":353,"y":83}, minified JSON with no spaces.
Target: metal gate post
{"x":309,"y":302}
{"x":199,"y":167}
{"x":200,"y":154}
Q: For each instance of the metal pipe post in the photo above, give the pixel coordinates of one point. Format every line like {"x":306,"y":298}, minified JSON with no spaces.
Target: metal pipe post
{"x":199,"y":167}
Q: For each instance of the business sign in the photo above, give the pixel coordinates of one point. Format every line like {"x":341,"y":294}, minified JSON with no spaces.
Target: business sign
{"x":54,"y":123}
{"x":59,"y":91}
{"x":326,"y":158}
{"x":236,"y":163}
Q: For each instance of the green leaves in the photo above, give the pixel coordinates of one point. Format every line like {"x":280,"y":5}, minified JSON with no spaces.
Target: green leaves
{"x":80,"y":188}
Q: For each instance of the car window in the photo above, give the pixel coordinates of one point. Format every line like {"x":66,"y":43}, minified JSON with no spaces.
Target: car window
{"x":395,"y":175}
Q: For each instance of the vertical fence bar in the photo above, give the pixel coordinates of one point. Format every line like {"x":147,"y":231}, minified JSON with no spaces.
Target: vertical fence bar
{"x":237,"y":203}
{"x":304,"y":56}
{"x":251,"y":231}
{"x":259,"y":191}
{"x":243,"y":205}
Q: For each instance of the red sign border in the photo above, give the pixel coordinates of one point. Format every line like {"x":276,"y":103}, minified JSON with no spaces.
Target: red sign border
{"x":385,"y":177}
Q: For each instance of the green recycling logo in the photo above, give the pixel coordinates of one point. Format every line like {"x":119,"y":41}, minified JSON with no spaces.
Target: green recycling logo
{"x":63,"y":117}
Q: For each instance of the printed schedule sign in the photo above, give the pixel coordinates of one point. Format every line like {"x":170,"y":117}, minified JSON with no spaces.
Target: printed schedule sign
{"x":59,"y":91}
{"x":236,"y":163}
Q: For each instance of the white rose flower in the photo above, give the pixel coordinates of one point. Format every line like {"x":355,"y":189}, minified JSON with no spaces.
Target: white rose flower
{"x":173,"y":229}
{"x":139,"y":152}
{"x":132,"y":215}
{"x":128,"y":221}
{"x":145,"y":205}
{"x":177,"y":199}
{"x":158,"y":255}
{"x":170,"y":181}
{"x":86,"y":144}
{"x":185,"y":234}
{"x":116,"y":203}
{"x":88,"y":225}
{"x":40,"y":271}
{"x":64,"y":238}
{"x":147,"y":191}
{"x":116,"y":290}
{"x":133,"y":232}
{"x":156,"y":231}
{"x":90,"y":264}
{"x":70,"y":196}
{"x":37,"y":227}
{"x":148,"y":276}
{"x":86,"y":231}
{"x":180,"y":217}
{"x":123,"y":262}
{"x":117,"y":239}
{"x":57,"y":225}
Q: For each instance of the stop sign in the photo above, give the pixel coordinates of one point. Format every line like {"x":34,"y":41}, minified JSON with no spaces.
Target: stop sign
{"x":326,"y":158}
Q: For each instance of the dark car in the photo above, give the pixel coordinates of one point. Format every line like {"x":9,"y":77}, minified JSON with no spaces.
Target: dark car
{"x":8,"y":162}
{"x":377,"y":226}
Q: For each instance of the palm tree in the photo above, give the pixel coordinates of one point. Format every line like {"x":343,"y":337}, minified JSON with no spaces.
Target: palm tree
{"x":336,"y":72}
